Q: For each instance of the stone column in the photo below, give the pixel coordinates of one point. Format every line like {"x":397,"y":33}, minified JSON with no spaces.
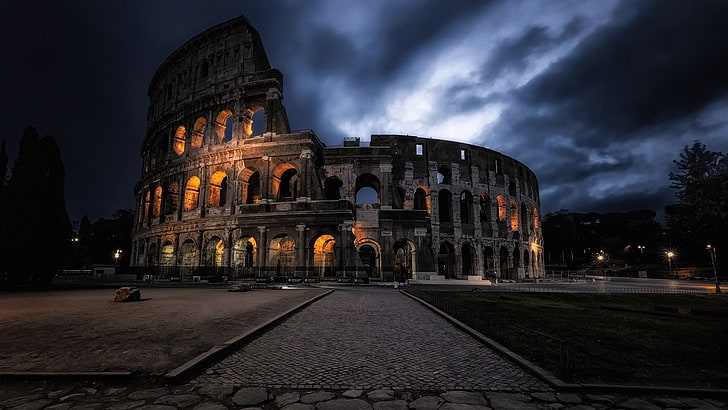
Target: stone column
{"x":262,"y":247}
{"x":385,"y":202}
{"x":301,"y":248}
{"x":200,"y":248}
{"x":229,"y":248}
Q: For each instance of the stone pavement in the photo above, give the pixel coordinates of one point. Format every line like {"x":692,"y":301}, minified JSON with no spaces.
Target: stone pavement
{"x":358,"y":348}
{"x":369,"y":338}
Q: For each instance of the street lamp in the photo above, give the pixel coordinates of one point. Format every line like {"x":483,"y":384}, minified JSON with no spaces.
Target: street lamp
{"x":117,"y":256}
{"x":642,"y":249}
{"x":670,"y":255}
{"x":600,"y":260}
{"x":711,"y":250}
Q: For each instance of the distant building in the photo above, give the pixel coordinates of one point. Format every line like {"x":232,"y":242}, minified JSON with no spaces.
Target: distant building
{"x":220,"y":196}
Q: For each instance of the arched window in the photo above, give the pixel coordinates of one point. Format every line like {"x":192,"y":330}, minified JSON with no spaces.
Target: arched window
{"x":258,"y":123}
{"x":368,"y":257}
{"x":192,"y":193}
{"x":324,"y":256}
{"x":282,"y":255}
{"x":224,"y":126}
{"x":178,"y":141}
{"x":252,"y":194}
{"x":157,"y":202}
{"x":514,"y":216}
{"x":172,"y":201}
{"x":466,"y":207}
{"x":444,"y":176}
{"x":188,"y":253}
{"x":147,"y":207}
{"x":422,"y":199}
{"x":217,"y":189}
{"x":501,"y":207}
{"x":444,"y":202}
{"x":244,"y":252}
{"x":468,"y":260}
{"x":167,"y":257}
{"x":333,"y":188}
{"x":214,"y":252}
{"x":367,"y":189}
{"x":198,"y":132}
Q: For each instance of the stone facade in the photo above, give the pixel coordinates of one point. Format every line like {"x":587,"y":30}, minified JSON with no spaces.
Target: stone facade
{"x":228,"y":189}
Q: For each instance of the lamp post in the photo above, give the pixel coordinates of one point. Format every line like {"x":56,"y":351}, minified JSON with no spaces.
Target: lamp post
{"x":117,"y":256}
{"x":600,"y":260}
{"x":670,"y":255}
{"x":642,"y":249}
{"x":711,"y":250}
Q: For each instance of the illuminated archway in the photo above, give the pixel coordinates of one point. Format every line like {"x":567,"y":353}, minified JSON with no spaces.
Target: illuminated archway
{"x":192,"y":194}
{"x":167,"y":257}
{"x":217,"y":194}
{"x":224,"y":126}
{"x":285,"y":182}
{"x":422,"y":199}
{"x":157,"y":202}
{"x":172,"y":202}
{"x":282,"y":255}
{"x":405,"y":255}
{"x":369,"y":252}
{"x":188,"y":253}
{"x":501,"y":208}
{"x":324,"y":256}
{"x":178,"y":141}
{"x":245,"y":251}
{"x":214,"y":252}
{"x":514,"y":216}
{"x":198,"y":132}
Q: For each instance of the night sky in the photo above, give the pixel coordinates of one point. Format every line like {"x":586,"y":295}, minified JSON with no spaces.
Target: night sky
{"x":597,"y":97}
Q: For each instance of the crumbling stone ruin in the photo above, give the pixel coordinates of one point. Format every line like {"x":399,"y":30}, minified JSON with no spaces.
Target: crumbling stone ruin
{"x":227,"y":189}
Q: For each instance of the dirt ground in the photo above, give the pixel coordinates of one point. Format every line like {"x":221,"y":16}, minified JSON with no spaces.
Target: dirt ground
{"x":84,"y":330}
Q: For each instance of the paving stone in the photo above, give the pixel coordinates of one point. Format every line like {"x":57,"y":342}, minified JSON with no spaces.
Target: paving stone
{"x":156,"y":407}
{"x":380,"y":395}
{"x":126,"y":405}
{"x":317,"y":397}
{"x":510,"y":401}
{"x":113,"y":391}
{"x":638,"y":404}
{"x":391,"y":405}
{"x":427,"y":403}
{"x":251,"y":396}
{"x":287,"y":398}
{"x":72,"y":397}
{"x":217,"y":391}
{"x":209,"y":406}
{"x":352,"y":394}
{"x":580,"y":407}
{"x":59,"y":393}
{"x":555,"y":406}
{"x":697,"y":403}
{"x":60,"y":406}
{"x":299,"y":406}
{"x":461,"y":406}
{"x":547,"y":397}
{"x":464,"y":397}
{"x":33,"y":405}
{"x":569,"y":398}
{"x":89,"y":406}
{"x":21,"y":399}
{"x":149,"y":394}
{"x":179,"y":401}
{"x":600,"y":398}
{"x":344,"y":404}
{"x":89,"y":390}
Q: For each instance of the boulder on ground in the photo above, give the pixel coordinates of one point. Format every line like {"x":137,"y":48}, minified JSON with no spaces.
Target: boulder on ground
{"x":127,"y":294}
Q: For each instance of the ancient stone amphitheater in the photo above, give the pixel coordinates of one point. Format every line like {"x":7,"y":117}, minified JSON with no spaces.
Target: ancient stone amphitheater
{"x":228,"y":190}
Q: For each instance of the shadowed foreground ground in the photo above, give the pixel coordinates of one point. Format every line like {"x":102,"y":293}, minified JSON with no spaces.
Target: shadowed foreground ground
{"x":84,"y":330}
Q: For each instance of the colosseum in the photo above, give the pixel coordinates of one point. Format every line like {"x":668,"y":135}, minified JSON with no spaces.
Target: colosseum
{"x":229,"y":191}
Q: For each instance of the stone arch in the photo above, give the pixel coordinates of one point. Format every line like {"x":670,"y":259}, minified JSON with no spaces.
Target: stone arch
{"x":167,"y":256}
{"x":526,"y":263}
{"x":485,"y":215}
{"x":369,"y":253}
{"x":214,"y":252}
{"x":504,"y":257}
{"x":199,"y":130}
{"x":404,"y":264}
{"x":152,"y":255}
{"x":502,"y":212}
{"x":171,"y":203}
{"x":488,"y":261}
{"x":446,"y":260}
{"x":516,"y":258}
{"x":282,"y":255}
{"x":178,"y":141}
{"x":217,"y":189}
{"x":188,"y":253}
{"x":444,"y":205}
{"x":333,"y":188}
{"x":157,"y":201}
{"x":192,"y":194}
{"x":245,"y":251}
{"x":468,"y":260}
{"x":444,"y":175}
{"x":324,"y":256}
{"x":514,"y":216}
{"x":466,"y":207}
{"x":366,"y":187}
{"x":250,"y":186}
{"x":285,"y":182}
{"x":224,"y":126}
{"x":422,"y":199}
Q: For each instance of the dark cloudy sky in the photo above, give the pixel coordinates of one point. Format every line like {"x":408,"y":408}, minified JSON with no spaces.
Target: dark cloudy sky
{"x":596,"y":96}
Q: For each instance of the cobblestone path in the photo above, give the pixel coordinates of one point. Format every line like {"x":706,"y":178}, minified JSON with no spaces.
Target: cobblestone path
{"x":368,"y":338}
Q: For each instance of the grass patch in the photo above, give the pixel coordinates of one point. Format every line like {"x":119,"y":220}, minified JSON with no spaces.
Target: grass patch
{"x":659,"y":340}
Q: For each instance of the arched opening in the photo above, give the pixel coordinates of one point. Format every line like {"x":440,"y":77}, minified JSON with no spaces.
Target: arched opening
{"x":244,"y":253}
{"x":446,"y":260}
{"x":178,"y":141}
{"x":253,"y":189}
{"x":282,"y":255}
{"x":501,"y":208}
{"x":367,"y":189}
{"x":153,"y":255}
{"x":444,"y":176}
{"x":192,"y":193}
{"x":444,"y":202}
{"x":324,"y":256}
{"x":524,"y":216}
{"x":167,"y":257}
{"x":224,"y":126}
{"x":147,"y":206}
{"x":489,"y":262}
{"x":368,"y":255}
{"x":404,"y":260}
{"x":188,"y":253}
{"x":485,"y":215}
{"x":157,"y":202}
{"x":214,"y":252}
{"x":466,"y":207}
{"x":258,"y":123}
{"x":514,"y":216}
{"x":516,"y":258}
{"x":398,"y":194}
{"x":504,"y":262}
{"x":217,"y":189}
{"x":422,"y":199}
{"x":198,"y":132}
{"x":333,"y":188}
{"x":172,"y":201}
{"x":285,"y":182}
{"x":468,"y":260}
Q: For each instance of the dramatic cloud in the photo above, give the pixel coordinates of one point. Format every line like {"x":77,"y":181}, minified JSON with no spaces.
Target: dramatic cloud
{"x":597,"y":97}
